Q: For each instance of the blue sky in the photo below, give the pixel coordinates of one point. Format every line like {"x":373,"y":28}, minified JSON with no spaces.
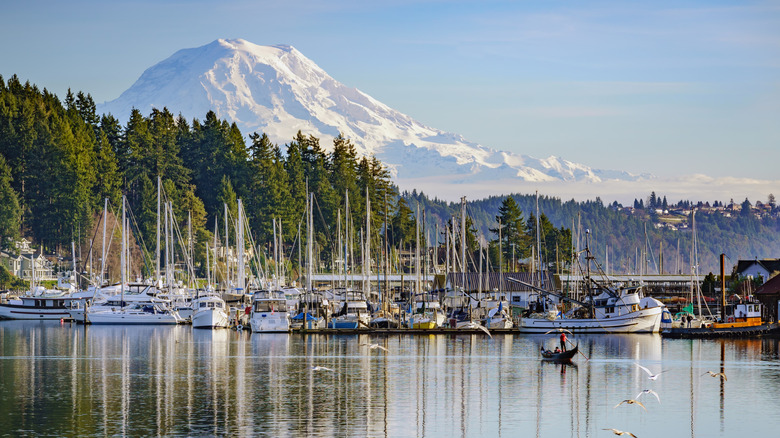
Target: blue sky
{"x":648,"y":87}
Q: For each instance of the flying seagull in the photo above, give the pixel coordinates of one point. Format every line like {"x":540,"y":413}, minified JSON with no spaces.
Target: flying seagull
{"x":319,"y":368}
{"x":558,"y":330}
{"x":484,"y":329}
{"x":375,"y":346}
{"x":722,"y":375}
{"x":649,"y":391}
{"x":631,"y":402}
{"x":620,"y":432}
{"x":650,"y":374}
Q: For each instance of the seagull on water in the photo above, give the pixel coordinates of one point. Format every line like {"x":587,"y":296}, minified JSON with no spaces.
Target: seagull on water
{"x":319,"y":368}
{"x":649,"y":391}
{"x":375,"y":346}
{"x":620,"y":432}
{"x":722,"y":375}
{"x":631,"y":402}
{"x":650,"y":374}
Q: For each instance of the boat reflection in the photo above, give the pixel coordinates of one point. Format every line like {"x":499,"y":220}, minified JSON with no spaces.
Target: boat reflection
{"x":112,"y":380}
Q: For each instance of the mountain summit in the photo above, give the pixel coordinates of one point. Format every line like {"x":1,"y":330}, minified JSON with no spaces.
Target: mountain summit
{"x":278,"y":91}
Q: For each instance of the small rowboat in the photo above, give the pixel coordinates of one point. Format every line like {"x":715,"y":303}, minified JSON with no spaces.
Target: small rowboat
{"x":564,"y":356}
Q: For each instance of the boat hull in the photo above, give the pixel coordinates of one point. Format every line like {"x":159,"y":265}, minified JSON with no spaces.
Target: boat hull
{"x":10,"y":311}
{"x":642,"y":321}
{"x":562,"y":357}
{"x":210,"y":318}
{"x":120,"y":317}
{"x":276,"y":322}
{"x":734,"y":331}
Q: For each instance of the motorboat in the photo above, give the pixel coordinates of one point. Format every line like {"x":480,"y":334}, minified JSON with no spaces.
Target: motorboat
{"x":209,"y":311}
{"x":354,"y":312}
{"x":269,"y":312}
{"x":36,"y":307}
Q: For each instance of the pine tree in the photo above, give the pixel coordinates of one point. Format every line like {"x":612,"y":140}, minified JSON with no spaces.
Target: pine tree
{"x":10,"y":211}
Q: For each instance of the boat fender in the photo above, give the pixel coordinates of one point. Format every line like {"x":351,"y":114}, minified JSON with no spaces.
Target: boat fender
{"x":239,"y":327}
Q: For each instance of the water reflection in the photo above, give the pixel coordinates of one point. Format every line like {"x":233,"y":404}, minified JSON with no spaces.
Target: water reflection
{"x":62,"y":379}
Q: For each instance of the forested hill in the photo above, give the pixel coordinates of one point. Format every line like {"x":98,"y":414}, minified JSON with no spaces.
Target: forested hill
{"x":741,"y":231}
{"x":59,"y":161}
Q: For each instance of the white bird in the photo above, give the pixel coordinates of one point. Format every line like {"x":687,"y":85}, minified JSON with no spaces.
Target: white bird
{"x":648,"y":391}
{"x":375,"y":346}
{"x":723,"y":375}
{"x":484,"y":329}
{"x":650,"y":374}
{"x":559,"y":330}
{"x":631,"y":402}
{"x":620,"y":432}
{"x":319,"y":368}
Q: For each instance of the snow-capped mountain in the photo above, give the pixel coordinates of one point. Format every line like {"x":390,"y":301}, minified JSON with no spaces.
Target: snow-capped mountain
{"x":277,"y":90}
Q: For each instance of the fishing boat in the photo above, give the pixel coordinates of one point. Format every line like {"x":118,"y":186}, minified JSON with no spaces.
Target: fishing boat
{"x":741,"y":319}
{"x":563,"y":356}
{"x":269,"y":312}
{"x":605,"y":309}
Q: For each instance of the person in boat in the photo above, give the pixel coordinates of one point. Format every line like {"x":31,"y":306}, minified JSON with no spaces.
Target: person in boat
{"x":563,"y":341}
{"x":557,"y":350}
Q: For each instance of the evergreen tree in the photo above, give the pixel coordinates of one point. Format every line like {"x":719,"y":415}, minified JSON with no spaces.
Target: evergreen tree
{"x":10,"y":211}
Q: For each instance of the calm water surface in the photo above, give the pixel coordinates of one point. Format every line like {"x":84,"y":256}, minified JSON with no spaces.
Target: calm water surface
{"x":62,"y":379}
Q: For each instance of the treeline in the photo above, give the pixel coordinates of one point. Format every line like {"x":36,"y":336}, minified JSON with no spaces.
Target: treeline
{"x":60,"y":160}
{"x":632,"y":242}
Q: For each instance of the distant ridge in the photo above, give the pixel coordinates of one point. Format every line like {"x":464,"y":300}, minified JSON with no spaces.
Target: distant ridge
{"x":277,"y":90}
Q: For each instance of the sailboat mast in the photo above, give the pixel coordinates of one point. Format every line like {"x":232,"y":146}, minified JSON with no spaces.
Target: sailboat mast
{"x":240,"y":247}
{"x":309,"y":241}
{"x":122,"y":261}
{"x":157,"y":260}
{"x":463,"y":239}
{"x":227,"y":250}
{"x":103,"y":249}
{"x":538,"y":243}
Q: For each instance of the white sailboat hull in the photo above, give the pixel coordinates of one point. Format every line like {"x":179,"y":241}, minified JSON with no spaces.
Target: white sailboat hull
{"x":128,"y":317}
{"x":641,"y":321}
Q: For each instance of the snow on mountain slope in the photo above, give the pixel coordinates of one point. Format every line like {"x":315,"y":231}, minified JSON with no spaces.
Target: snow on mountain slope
{"x":277,"y":90}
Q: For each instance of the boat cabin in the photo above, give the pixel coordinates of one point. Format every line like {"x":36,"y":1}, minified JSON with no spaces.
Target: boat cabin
{"x":743,"y":312}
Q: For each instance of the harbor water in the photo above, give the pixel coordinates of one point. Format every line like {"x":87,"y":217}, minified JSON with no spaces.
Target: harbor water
{"x":63,"y":379}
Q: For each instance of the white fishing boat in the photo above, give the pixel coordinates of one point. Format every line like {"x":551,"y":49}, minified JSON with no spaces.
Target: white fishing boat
{"x":269,"y":312}
{"x":209,"y":311}
{"x":605,"y":309}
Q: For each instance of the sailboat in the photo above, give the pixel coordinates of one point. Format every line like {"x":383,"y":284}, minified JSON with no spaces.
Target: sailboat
{"x":605,"y":309}
{"x":150,"y":310}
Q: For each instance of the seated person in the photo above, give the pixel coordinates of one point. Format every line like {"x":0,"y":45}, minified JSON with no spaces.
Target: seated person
{"x":557,"y":350}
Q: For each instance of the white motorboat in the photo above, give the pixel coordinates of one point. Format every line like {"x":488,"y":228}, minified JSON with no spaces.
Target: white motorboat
{"x":269,"y":312}
{"x":209,"y":311}
{"x":36,"y":307}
